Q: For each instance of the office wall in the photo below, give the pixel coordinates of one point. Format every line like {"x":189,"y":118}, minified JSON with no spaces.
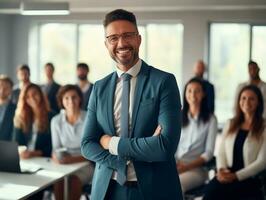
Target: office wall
{"x":195,"y":44}
{"x":5,"y":44}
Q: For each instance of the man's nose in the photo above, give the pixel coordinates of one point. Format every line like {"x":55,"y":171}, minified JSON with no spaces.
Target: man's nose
{"x":121,"y":41}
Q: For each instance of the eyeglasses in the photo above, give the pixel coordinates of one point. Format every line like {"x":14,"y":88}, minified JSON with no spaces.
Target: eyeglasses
{"x":128,"y":36}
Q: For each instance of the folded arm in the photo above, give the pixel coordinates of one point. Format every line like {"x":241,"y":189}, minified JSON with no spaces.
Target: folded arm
{"x":90,"y":146}
{"x":160,"y":147}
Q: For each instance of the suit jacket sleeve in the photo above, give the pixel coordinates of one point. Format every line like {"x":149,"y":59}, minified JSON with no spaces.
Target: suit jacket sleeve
{"x":162,"y":147}
{"x":90,"y":146}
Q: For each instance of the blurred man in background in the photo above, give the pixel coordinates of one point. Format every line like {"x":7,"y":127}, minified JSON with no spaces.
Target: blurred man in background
{"x":7,"y":108}
{"x":23,"y":75}
{"x":51,"y":87}
{"x":83,"y":83}
{"x":199,"y":70}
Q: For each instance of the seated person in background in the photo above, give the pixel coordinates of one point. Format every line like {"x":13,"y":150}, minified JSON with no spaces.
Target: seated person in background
{"x":67,"y":133}
{"x":23,"y":75}
{"x":50,"y":88}
{"x":242,"y":152}
{"x":198,"y":133}
{"x":32,"y":122}
{"x":7,"y":108}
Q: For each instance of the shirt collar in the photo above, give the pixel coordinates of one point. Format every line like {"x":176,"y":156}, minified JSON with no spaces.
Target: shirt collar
{"x":63,"y":112}
{"x":133,"y":71}
{"x":86,"y":87}
{"x":196,"y":118}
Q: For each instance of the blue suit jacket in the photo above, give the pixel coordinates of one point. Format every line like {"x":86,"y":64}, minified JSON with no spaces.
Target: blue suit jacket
{"x":86,"y":98}
{"x":156,"y":102}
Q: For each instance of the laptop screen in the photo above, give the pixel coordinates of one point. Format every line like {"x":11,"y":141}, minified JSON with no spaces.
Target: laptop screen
{"x":9,"y":159}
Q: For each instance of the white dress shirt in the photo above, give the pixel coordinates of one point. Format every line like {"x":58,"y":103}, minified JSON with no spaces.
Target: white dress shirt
{"x":113,"y":145}
{"x":197,"y":139}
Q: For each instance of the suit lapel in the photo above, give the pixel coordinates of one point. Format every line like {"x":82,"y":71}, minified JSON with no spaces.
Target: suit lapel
{"x":110,"y":102}
{"x":141,"y":79}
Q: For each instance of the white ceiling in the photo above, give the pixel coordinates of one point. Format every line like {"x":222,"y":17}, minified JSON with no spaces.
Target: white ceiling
{"x":85,"y":6}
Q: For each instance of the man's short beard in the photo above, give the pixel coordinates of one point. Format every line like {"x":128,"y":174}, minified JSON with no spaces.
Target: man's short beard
{"x":82,"y":77}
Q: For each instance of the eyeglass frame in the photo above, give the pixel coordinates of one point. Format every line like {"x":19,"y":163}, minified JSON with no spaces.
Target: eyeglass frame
{"x":127,"y":36}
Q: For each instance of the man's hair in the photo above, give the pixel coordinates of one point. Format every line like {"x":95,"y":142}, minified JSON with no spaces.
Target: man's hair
{"x":50,"y":65}
{"x":6,"y":79}
{"x":24,"y":67}
{"x":83,"y":65}
{"x":251,"y":62}
{"x":119,"y":14}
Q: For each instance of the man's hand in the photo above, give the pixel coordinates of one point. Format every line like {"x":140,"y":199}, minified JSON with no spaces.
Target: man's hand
{"x":226,"y":176}
{"x":181,"y":167}
{"x":105,"y":140}
{"x":158,"y":131}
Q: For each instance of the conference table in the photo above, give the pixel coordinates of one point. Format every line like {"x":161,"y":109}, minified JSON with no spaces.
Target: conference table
{"x":21,"y":186}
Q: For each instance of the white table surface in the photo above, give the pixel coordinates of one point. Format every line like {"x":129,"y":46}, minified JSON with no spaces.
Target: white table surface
{"x":21,"y":186}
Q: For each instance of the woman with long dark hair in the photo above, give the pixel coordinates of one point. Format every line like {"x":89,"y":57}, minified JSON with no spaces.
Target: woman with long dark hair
{"x":242,"y":152}
{"x":32,"y":122}
{"x":196,"y":145}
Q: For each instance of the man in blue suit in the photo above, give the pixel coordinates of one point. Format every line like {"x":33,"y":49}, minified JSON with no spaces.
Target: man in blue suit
{"x":133,"y":122}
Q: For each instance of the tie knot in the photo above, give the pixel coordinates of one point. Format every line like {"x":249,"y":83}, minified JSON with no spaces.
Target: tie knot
{"x":126,"y":77}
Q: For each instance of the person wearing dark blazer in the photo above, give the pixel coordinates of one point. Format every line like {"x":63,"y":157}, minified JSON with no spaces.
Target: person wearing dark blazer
{"x":7,"y":108}
{"x":132,"y":132}
{"x":32,"y":123}
{"x":84,"y":84}
{"x":51,"y":87}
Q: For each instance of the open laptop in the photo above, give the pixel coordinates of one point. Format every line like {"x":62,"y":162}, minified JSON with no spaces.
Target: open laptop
{"x":9,"y":159}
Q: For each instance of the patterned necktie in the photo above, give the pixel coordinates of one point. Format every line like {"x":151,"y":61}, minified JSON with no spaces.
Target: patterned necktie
{"x":124,"y":125}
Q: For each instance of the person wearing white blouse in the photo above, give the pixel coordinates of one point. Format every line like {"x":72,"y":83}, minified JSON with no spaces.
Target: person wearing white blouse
{"x":242,"y":152}
{"x":66,"y":134}
{"x":198,"y":134}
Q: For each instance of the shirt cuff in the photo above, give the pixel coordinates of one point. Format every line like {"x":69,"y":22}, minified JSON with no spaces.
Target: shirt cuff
{"x":113,"y":145}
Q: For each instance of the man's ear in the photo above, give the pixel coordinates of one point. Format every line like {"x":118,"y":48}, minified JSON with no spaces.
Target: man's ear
{"x":140,"y":39}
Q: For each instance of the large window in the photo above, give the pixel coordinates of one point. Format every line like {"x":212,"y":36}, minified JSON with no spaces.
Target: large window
{"x":259,"y":48}
{"x":164,"y":47}
{"x":57,"y":43}
{"x":67,"y":44}
{"x":229,"y":53}
{"x":92,"y":51}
